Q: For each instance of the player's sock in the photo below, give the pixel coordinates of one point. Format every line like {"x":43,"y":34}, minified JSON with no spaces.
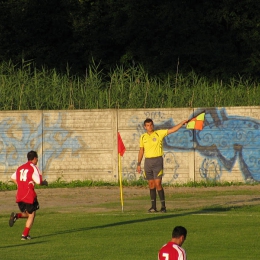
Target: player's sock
{"x":26,"y":231}
{"x":162,"y":197}
{"x":153,"y":197}
{"x":18,"y":215}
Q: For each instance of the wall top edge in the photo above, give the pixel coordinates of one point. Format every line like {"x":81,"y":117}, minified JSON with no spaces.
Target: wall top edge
{"x":124,"y":109}
{"x":55,"y":111}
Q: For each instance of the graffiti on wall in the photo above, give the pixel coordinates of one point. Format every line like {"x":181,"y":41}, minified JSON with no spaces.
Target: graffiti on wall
{"x":226,"y":140}
{"x":223,"y":141}
{"x":18,"y":137}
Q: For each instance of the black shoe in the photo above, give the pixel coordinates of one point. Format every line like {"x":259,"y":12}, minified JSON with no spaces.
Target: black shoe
{"x":26,"y":238}
{"x":152,"y":210}
{"x":12,"y":219}
{"x":163,"y":210}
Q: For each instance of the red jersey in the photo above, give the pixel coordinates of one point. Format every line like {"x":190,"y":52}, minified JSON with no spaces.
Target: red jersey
{"x":26,"y":176}
{"x":171,"y":251}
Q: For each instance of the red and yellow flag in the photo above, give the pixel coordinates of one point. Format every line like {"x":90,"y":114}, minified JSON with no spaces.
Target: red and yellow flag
{"x":197,"y":122}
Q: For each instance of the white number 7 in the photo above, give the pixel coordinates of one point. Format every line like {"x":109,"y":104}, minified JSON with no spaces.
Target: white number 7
{"x":166,"y":256}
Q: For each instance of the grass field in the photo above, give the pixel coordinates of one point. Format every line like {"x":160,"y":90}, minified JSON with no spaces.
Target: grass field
{"x":220,"y":230}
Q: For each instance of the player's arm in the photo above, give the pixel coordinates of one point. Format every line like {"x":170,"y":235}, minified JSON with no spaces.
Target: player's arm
{"x":139,"y":160}
{"x":13,"y":178}
{"x":177,"y":127}
{"x":37,"y":176}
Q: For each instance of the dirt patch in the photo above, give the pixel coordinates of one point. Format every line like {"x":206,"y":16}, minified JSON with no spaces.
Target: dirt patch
{"x":107,"y":199}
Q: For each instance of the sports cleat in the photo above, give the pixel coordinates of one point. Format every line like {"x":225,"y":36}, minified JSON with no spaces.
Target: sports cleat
{"x":25,"y":237}
{"x":152,"y":210}
{"x":12,"y":219}
{"x":163,"y":210}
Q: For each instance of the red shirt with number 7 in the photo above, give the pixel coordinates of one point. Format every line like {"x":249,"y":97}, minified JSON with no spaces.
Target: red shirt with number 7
{"x":171,"y":251}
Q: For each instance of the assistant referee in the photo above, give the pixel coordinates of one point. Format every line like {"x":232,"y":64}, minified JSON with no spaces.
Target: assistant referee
{"x":151,"y":146}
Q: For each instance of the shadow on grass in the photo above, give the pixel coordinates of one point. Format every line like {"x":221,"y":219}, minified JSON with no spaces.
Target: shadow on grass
{"x":24,"y":243}
{"x":157,"y":216}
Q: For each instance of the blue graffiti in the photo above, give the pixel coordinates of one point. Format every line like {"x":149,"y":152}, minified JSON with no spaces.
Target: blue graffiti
{"x":210,"y":169}
{"x":12,"y":145}
{"x":26,"y":137}
{"x":223,"y":141}
{"x":170,"y":159}
{"x":59,"y":140}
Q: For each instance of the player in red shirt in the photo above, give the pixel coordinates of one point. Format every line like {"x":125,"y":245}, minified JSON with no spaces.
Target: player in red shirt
{"x":173,"y":250}
{"x":25,"y":178}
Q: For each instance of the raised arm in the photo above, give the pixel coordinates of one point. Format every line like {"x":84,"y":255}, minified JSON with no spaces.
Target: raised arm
{"x":177,"y":127}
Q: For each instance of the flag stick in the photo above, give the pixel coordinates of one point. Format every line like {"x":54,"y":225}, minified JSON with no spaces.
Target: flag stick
{"x":120,"y":181}
{"x":204,"y":111}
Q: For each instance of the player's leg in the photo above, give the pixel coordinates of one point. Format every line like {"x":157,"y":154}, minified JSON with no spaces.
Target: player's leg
{"x":160,"y":190}
{"x":149,"y":176}
{"x":152,"y":195}
{"x":22,"y":215}
{"x":28,"y":225}
{"x":31,"y":211}
{"x":158,"y":173}
{"x":161,"y":195}
{"x":30,"y":219}
{"x":15,"y":216}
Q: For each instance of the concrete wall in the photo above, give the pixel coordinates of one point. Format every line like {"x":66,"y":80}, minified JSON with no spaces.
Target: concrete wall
{"x":82,"y":144}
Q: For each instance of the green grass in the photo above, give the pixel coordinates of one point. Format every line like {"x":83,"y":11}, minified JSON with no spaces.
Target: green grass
{"x":59,"y":183}
{"x":215,"y":235}
{"x":214,"y":232}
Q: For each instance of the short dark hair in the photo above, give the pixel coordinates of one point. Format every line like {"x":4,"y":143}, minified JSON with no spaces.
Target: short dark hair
{"x":148,"y":120}
{"x":31,"y":155}
{"x":179,"y":231}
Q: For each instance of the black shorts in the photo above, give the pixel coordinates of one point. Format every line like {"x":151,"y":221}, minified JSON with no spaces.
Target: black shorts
{"x":30,"y":208}
{"x":153,"y":168}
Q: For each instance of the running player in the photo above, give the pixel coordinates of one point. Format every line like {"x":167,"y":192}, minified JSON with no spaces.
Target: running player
{"x":25,"y":177}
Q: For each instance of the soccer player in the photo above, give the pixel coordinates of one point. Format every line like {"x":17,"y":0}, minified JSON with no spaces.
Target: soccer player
{"x":173,"y":250}
{"x":25,"y":178}
{"x":151,"y":145}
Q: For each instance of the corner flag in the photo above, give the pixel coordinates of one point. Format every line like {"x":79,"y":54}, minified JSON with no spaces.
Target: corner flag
{"x":121,"y":146}
{"x":197,"y":122}
{"x":121,"y":151}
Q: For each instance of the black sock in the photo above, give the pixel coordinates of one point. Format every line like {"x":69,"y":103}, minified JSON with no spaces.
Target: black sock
{"x":153,"y":197}
{"x":162,"y":197}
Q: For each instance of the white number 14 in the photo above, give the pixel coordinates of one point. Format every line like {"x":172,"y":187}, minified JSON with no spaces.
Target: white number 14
{"x":23,"y":174}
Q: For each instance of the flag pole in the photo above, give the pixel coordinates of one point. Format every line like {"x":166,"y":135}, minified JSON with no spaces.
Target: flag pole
{"x":120,"y":181}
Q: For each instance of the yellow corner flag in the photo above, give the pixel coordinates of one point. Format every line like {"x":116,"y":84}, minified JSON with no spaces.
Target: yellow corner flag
{"x":197,"y":122}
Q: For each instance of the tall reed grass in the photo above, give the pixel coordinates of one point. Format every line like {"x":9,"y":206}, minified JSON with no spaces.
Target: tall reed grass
{"x":24,"y":87}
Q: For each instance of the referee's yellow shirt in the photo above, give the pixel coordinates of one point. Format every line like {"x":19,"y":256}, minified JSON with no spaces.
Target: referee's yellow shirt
{"x":153,"y":143}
